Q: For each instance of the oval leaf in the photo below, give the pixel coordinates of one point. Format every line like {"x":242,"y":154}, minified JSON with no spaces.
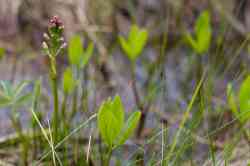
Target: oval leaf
{"x":110,"y":120}
{"x":75,"y":50}
{"x":87,"y":55}
{"x":129,"y":127}
{"x":135,"y":43}
{"x":232,"y":101}
{"x":203,"y":32}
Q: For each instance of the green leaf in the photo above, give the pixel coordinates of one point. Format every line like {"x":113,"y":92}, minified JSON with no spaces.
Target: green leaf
{"x":110,"y":120}
{"x":191,"y":41}
{"x":111,"y":125}
{"x":126,"y":48}
{"x":106,"y":123}
{"x":102,"y":122}
{"x":140,"y":42}
{"x":203,"y":32}
{"x":134,"y":30}
{"x":68,"y":81}
{"x":244,"y":100}
{"x":232,"y":101}
{"x":87,"y":55}
{"x":129,"y":127}
{"x":75,"y":50}
{"x":136,"y":42}
{"x":118,"y":111}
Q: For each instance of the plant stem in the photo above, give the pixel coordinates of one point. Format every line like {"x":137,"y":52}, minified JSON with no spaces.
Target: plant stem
{"x":74,"y":105}
{"x":84,"y":93}
{"x":139,"y":105}
{"x":107,"y":161}
{"x":35,"y":143}
{"x":135,"y":91}
{"x":100,"y":150}
{"x":53,"y":77}
{"x":75,"y":95}
{"x":137,"y":101}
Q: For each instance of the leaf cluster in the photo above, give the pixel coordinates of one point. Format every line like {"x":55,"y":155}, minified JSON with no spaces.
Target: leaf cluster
{"x":135,"y":43}
{"x":114,"y":131}
{"x":201,"y":40}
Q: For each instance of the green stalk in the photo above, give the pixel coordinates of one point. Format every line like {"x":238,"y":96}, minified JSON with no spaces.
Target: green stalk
{"x":139,"y":105}
{"x":75,"y":95}
{"x":74,"y":105}
{"x":55,"y":116}
{"x":107,"y":161}
{"x":84,"y":93}
{"x":35,"y":143}
{"x":135,"y":91}
{"x":138,"y":102}
{"x":100,"y":150}
{"x":53,"y":78}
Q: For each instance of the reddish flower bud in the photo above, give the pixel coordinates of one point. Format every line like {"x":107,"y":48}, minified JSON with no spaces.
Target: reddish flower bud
{"x":55,"y":22}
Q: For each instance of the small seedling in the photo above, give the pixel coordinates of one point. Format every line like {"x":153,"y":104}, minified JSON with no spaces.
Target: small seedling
{"x":77,"y":55}
{"x":241,"y":112}
{"x":200,"y":43}
{"x":114,"y":131}
{"x":134,"y":45}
